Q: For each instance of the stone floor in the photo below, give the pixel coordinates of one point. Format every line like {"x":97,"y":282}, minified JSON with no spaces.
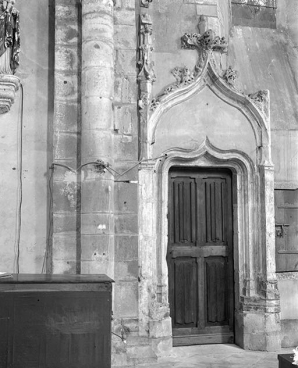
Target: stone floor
{"x":217,"y":356}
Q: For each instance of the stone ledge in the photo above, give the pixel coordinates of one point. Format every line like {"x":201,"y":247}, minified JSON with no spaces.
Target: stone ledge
{"x":9,"y":85}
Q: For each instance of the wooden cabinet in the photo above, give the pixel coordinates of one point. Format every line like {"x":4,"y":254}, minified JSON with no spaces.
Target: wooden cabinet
{"x":53,"y":321}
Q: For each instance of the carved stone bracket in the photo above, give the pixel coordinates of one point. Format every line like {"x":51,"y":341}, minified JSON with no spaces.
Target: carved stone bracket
{"x":9,"y":84}
{"x":205,"y":44}
{"x":145,"y":3}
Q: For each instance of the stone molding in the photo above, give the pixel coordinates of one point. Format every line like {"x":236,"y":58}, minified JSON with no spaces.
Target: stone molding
{"x":255,"y":285}
{"x":9,"y":85}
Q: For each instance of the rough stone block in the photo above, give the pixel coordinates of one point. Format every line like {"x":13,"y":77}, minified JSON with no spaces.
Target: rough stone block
{"x":128,"y":4}
{"x":66,"y":59}
{"x":65,"y":144}
{"x":64,"y":267}
{"x":66,"y":87}
{"x":65,"y":223}
{"x":96,"y":248}
{"x":126,"y":248}
{"x":97,"y":112}
{"x":64,"y":246}
{"x":64,"y":197}
{"x":125,"y":119}
{"x":96,"y":267}
{"x":158,"y":329}
{"x":126,"y":197}
{"x":97,"y":53}
{"x":98,"y":82}
{"x":125,"y":37}
{"x":126,"y":299}
{"x":126,"y":224}
{"x":289,"y":333}
{"x":126,"y":147}
{"x":98,"y":23}
{"x":97,"y":196}
{"x":126,"y":270}
{"x":97,"y":223}
{"x":125,"y":17}
{"x":162,"y":346}
{"x":126,"y":89}
{"x":66,"y":116}
{"x":96,"y":144}
{"x":65,"y":11}
{"x":68,"y":34}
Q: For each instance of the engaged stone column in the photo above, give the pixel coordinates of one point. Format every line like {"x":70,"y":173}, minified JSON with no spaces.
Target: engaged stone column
{"x":97,"y":189}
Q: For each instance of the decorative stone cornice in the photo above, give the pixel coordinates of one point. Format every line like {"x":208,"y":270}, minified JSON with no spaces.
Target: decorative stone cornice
{"x":9,"y":84}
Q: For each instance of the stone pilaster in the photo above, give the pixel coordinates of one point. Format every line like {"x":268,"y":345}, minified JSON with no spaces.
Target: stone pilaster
{"x":97,"y":92}
{"x":62,"y":258}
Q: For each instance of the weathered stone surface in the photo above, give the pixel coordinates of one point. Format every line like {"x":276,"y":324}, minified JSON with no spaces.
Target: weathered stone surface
{"x":65,"y":144}
{"x":96,"y":224}
{"x":126,"y":294}
{"x":126,"y":199}
{"x":66,"y":116}
{"x":66,"y":87}
{"x":97,"y":112}
{"x":125,"y":89}
{"x":126,"y":62}
{"x":67,"y":34}
{"x":97,"y":196}
{"x":125,"y":119}
{"x":125,"y":37}
{"x":125,"y":17}
{"x":64,"y":246}
{"x":126,"y":224}
{"x":66,"y":58}
{"x":126,"y":147}
{"x":126,"y":270}
{"x":126,"y":248}
{"x":97,"y":53}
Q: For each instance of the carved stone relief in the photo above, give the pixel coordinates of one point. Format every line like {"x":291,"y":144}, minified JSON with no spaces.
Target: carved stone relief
{"x":204,"y":44}
{"x":9,"y":53}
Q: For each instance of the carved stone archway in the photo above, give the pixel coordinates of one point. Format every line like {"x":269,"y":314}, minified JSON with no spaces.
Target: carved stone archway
{"x":257,"y":318}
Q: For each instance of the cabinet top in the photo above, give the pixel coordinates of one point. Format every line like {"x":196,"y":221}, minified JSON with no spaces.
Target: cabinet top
{"x":28,"y":278}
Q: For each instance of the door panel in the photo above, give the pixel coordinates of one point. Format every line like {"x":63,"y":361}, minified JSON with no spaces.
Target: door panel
{"x":200,"y":256}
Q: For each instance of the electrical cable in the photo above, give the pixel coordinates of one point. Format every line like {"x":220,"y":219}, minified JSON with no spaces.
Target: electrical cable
{"x":20,"y":184}
{"x":50,"y":223}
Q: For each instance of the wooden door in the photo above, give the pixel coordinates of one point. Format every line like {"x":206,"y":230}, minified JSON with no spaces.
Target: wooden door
{"x":200,"y":256}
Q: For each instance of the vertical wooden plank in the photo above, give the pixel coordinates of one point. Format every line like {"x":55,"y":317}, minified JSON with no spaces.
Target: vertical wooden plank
{"x":175,"y":209}
{"x":193,"y":201}
{"x":181,"y":212}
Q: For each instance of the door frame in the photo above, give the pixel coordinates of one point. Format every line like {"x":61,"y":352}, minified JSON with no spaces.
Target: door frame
{"x":223,"y":332}
{"x":255,"y":286}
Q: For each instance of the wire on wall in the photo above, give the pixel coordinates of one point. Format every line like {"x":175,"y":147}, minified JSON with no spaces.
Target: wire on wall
{"x":20,"y":183}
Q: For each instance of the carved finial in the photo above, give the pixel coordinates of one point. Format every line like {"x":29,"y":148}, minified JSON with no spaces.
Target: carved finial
{"x":145,"y":3}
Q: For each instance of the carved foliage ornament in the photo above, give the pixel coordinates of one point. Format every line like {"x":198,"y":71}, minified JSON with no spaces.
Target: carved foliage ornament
{"x":9,"y":37}
{"x":205,"y":43}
